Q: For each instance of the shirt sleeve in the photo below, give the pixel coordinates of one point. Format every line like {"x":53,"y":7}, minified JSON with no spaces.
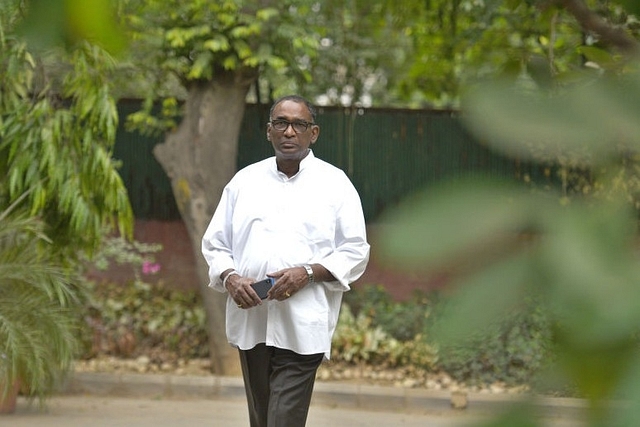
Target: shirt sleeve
{"x":216,"y":241}
{"x":349,"y":259}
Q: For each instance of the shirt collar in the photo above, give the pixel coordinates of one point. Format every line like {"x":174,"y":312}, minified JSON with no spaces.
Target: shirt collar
{"x":304,"y":163}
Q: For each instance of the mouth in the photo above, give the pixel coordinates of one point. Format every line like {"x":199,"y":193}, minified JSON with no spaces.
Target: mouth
{"x":288,"y":145}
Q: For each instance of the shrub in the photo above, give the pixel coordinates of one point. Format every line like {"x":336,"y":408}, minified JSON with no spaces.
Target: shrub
{"x":358,"y":341}
{"x":513,"y":351}
{"x":401,"y":320}
{"x":137,"y":319}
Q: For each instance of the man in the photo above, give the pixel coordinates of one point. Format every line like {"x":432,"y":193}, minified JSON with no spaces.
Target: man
{"x":298,"y":220}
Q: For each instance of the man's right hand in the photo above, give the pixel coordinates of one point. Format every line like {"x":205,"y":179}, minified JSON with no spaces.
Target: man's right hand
{"x":241,"y":292}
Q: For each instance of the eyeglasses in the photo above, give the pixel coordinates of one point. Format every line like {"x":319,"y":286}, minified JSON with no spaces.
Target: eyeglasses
{"x":298,"y":126}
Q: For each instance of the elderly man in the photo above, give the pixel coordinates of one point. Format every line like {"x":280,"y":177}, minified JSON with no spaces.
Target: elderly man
{"x":297,"y":221}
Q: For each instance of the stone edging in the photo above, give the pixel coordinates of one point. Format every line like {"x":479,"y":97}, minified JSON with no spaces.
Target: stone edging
{"x":335,"y":394}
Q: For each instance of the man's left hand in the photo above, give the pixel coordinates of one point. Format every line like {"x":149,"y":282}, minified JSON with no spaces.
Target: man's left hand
{"x":288,"y":282}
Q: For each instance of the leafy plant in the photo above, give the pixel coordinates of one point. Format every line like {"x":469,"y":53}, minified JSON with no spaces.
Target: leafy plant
{"x":356,"y":341}
{"x":512,"y":350}
{"x":56,"y":141}
{"x":116,"y":249}
{"x":140,"y":319}
{"x":38,"y":321}
{"x":402,"y":320}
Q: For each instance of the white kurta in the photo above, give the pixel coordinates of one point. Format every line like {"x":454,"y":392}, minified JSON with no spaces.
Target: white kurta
{"x":265,"y":222}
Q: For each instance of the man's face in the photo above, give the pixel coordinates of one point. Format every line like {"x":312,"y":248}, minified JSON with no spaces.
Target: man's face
{"x":291,"y":144}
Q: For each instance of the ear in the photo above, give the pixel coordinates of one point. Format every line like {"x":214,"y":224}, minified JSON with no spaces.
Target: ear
{"x":315,"y":133}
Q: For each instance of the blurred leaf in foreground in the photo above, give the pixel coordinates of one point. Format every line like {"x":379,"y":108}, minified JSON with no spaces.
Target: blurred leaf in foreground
{"x":578,"y":258}
{"x":52,"y":23}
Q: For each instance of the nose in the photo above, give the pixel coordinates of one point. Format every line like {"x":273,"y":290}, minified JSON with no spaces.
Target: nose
{"x":289,"y":130}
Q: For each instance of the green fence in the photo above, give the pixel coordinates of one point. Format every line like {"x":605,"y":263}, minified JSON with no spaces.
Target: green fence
{"x":387,"y":153}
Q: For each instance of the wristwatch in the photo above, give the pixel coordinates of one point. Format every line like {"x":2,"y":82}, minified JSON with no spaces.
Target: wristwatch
{"x":309,"y":273}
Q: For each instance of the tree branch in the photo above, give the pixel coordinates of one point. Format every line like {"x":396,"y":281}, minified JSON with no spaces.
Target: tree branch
{"x":591,"y":21}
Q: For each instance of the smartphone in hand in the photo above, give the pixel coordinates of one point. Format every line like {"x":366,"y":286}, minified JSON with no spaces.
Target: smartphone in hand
{"x":263,"y":286}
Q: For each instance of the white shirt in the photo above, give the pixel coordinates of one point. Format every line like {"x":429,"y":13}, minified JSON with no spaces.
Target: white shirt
{"x":265,"y":222}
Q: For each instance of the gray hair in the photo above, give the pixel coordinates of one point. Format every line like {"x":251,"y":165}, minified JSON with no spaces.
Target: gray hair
{"x":298,"y":99}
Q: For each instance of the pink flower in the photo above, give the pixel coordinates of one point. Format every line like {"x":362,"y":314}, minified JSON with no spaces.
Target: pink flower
{"x":149,"y":267}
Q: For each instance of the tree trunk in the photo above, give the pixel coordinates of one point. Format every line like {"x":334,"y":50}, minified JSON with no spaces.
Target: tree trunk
{"x":200,"y":158}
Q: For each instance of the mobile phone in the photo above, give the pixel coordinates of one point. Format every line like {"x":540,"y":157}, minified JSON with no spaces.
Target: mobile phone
{"x":263,"y":286}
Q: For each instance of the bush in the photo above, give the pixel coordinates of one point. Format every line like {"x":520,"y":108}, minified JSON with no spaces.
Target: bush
{"x":128,"y":321}
{"x":373,"y":329}
{"x":401,"y":320}
{"x":358,"y":341}
{"x":513,"y":351}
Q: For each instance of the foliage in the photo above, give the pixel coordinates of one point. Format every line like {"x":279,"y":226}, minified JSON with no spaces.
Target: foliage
{"x":38,"y":302}
{"x":61,"y":187}
{"x":56,"y":141}
{"x":357,"y":340}
{"x":401,"y":320}
{"x":52,"y":23}
{"x":513,"y":350}
{"x":202,"y":41}
{"x":581,"y":262}
{"x":122,"y":251}
{"x":136,"y":319}
{"x":362,"y":52}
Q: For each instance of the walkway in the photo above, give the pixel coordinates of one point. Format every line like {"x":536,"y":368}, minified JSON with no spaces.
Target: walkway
{"x":111,"y":400}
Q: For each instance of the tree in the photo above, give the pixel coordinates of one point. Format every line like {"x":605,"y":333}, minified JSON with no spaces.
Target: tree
{"x":362,"y":52}
{"x":456,"y":43}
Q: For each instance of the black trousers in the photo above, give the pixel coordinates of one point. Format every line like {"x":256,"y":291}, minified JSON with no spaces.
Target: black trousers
{"x":279,"y":384}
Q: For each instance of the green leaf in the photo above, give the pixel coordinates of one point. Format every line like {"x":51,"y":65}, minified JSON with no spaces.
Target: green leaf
{"x":219,"y":43}
{"x":584,"y":123}
{"x":597,"y":55}
{"x":482,"y":300}
{"x":201,"y":68}
{"x":230,"y":62}
{"x":594,"y":288}
{"x":52,"y":23}
{"x":242,"y":48}
{"x":631,"y":6}
{"x":267,"y":13}
{"x":440,"y":225}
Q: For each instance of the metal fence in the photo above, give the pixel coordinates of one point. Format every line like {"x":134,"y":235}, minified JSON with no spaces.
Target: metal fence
{"x":387,"y":153}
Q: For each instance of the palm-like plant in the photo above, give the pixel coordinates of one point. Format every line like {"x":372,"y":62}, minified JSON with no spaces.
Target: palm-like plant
{"x":37,"y":322}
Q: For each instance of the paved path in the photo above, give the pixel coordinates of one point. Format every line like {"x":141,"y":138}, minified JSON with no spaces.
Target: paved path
{"x":131,"y":400}
{"x":114,"y":411}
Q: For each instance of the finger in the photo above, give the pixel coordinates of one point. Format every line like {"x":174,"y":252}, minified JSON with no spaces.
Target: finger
{"x":279,"y":294}
{"x":242,"y":299}
{"x":253,"y":297}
